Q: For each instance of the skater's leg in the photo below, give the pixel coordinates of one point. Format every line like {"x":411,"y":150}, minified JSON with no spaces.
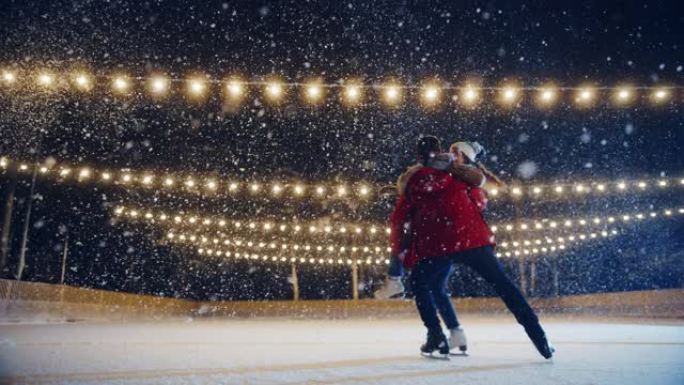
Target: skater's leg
{"x":484,"y":262}
{"x":439,"y":286}
{"x":422,"y":278}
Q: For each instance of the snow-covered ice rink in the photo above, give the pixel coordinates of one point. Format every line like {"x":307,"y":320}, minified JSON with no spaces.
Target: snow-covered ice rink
{"x":351,"y":351}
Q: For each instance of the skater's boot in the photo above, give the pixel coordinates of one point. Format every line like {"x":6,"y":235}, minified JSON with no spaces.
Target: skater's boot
{"x":435,"y":341}
{"x":457,"y":339}
{"x":391,"y":289}
{"x":538,"y":337}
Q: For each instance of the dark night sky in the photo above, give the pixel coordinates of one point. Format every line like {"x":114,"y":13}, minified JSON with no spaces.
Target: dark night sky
{"x":605,"y":42}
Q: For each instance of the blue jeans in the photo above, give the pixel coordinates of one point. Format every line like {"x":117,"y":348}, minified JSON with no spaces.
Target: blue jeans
{"x":429,"y":281}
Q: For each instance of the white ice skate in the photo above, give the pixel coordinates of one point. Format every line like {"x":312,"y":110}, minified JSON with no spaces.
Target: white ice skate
{"x":391,"y":289}
{"x":457,"y":339}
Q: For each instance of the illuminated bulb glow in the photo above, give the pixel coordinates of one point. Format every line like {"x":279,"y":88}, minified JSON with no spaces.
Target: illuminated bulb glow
{"x":82,"y":81}
{"x":469,"y":95}
{"x":9,"y":77}
{"x":274,"y":90}
{"x":159,"y":85}
{"x":392,"y":94}
{"x":196,"y":87}
{"x":45,"y":80}
{"x":352,"y":93}
{"x":585,"y":96}
{"x":235,"y":88}
{"x":120,"y":84}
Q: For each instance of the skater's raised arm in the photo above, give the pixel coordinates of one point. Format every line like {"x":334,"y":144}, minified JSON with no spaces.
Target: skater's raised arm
{"x":470,"y":175}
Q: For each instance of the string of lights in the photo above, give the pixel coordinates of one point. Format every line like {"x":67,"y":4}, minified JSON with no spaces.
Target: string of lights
{"x":360,"y":191}
{"x":221,"y":239}
{"x":344,"y":256}
{"x":543,"y":243}
{"x":351,"y":92}
{"x":368,"y":229}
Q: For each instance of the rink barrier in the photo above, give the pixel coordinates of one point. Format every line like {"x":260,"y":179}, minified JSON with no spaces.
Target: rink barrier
{"x":49,"y":302}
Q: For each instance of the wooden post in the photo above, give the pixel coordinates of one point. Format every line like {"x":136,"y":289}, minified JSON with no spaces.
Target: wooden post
{"x":533,"y":276}
{"x":556,"y":278}
{"x":27,"y":223}
{"x":355,"y":280}
{"x":295,"y":282}
{"x":7,"y":218}
{"x":521,"y":258}
{"x":64,"y":258}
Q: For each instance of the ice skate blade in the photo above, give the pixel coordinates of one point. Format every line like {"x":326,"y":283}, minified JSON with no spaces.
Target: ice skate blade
{"x":441,"y":357}
{"x":459,"y":354}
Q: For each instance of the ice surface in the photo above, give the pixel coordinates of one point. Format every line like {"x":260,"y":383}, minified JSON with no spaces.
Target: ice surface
{"x":356,"y":351}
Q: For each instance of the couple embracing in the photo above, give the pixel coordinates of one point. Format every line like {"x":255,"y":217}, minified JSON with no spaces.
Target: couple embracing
{"x":436,"y":223}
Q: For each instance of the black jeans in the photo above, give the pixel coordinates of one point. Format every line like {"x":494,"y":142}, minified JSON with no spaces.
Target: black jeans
{"x":429,"y":281}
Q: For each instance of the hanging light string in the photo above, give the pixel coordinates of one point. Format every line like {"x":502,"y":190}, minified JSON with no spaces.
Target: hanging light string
{"x":352,"y":91}
{"x":175,"y":236}
{"x":319,"y":228}
{"x":345,"y":256}
{"x":359,"y":191}
{"x":543,"y":243}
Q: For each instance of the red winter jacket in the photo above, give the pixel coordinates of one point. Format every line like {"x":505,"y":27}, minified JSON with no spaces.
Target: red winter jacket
{"x":444,"y":215}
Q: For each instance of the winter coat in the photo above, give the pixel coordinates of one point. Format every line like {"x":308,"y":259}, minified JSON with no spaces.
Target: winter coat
{"x":443,"y":215}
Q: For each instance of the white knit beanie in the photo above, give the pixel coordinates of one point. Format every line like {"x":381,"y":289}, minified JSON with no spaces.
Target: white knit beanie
{"x":468,"y":149}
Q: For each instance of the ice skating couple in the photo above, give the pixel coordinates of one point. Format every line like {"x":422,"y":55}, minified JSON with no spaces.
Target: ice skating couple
{"x":437,"y":222}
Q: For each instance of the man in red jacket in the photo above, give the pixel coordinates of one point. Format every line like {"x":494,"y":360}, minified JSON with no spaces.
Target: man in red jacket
{"x":446,"y":226}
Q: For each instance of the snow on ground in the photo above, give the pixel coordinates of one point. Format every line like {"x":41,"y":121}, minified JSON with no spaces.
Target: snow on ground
{"x":353,"y":351}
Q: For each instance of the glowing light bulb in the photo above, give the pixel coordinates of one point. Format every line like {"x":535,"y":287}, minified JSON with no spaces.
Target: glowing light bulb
{"x":314,"y":92}
{"x":299,"y":189}
{"x":45,"y":79}
{"x":660,"y":95}
{"x":392,"y":94}
{"x":469,"y":95}
{"x":274,"y":90}
{"x":585,"y":96}
{"x":320,"y":190}
{"x":212,"y":185}
{"x":235,"y":88}
{"x":547,"y":95}
{"x":277,"y":189}
{"x":8,"y":77}
{"x":168,"y":182}
{"x":120,"y":84}
{"x":431,"y":94}
{"x":623,"y":95}
{"x":159,"y":85}
{"x":364,"y":190}
{"x":83,"y":82}
{"x":352,"y":93}
{"x":509,"y":94}
{"x":196,"y":87}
